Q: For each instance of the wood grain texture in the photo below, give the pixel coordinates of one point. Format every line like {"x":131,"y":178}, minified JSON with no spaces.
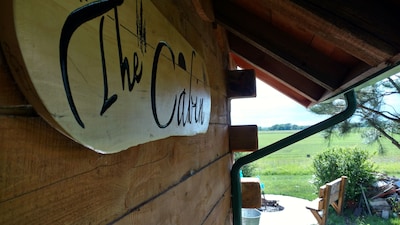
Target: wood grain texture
{"x":251,"y":192}
{"x":10,"y":95}
{"x":204,"y":9}
{"x":46,"y":178}
{"x":221,"y":213}
{"x":55,"y":178}
{"x":243,"y":138}
{"x":241,"y":84}
{"x":201,"y":193}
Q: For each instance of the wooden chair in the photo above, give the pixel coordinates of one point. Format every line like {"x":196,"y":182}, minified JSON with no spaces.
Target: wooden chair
{"x":331,"y":193}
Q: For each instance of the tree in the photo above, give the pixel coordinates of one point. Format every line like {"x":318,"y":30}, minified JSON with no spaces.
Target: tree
{"x":380,"y":117}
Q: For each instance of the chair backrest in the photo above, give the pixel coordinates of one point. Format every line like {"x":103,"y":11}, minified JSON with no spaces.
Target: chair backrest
{"x":332,"y":192}
{"x":337,"y":192}
{"x":336,"y":189}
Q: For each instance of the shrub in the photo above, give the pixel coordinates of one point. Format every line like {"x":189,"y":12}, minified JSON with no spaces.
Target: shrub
{"x":248,"y":169}
{"x":351,"y":162}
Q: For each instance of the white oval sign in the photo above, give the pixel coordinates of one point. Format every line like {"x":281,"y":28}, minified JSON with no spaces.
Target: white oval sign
{"x":112,"y":73}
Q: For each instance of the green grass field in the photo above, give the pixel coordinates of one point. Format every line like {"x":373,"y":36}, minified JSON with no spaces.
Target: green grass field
{"x":289,"y":171}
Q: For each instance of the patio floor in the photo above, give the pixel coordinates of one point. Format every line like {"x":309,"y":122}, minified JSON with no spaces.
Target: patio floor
{"x":294,"y":212}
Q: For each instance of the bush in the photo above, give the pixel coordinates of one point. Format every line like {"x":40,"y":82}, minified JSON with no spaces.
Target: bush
{"x":248,"y":169}
{"x":351,"y":162}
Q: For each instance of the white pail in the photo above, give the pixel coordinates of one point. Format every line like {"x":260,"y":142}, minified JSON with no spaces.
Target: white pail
{"x":250,"y":216}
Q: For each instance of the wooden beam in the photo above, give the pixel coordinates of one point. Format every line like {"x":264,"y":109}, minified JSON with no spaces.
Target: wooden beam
{"x":366,"y":77}
{"x":376,"y":22}
{"x":273,"y":81}
{"x":288,"y":76}
{"x":341,"y":33}
{"x":243,"y":138}
{"x":251,"y":192}
{"x":241,"y":84}
{"x":297,"y":55}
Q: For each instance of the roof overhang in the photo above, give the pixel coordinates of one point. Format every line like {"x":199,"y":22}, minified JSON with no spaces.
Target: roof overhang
{"x":313,"y":50}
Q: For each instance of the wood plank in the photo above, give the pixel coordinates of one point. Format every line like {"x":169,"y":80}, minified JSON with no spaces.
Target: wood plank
{"x":273,"y":81}
{"x":26,"y":136}
{"x":362,"y":76}
{"x":316,"y":204}
{"x":346,"y":39}
{"x":241,"y":84}
{"x":251,"y":192}
{"x":18,"y":110}
{"x":374,"y":22}
{"x":56,"y":179}
{"x":243,"y":138}
{"x":321,"y":191}
{"x":9,"y":91}
{"x":223,"y":208}
{"x":219,"y":108}
{"x":290,"y":77}
{"x":184,"y":18}
{"x":199,"y":191}
{"x":295,"y":54}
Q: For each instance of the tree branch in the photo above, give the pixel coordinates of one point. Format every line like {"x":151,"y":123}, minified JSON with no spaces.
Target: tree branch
{"x":394,"y":118}
{"x":383,"y":132}
{"x":395,"y":85}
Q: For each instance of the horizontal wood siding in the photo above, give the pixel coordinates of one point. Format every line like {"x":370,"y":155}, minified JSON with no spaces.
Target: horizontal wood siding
{"x":46,"y":178}
{"x":9,"y":92}
{"x":189,"y":201}
{"x":45,"y":175}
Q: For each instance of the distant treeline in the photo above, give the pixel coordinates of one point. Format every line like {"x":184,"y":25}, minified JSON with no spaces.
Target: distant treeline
{"x":286,"y":126}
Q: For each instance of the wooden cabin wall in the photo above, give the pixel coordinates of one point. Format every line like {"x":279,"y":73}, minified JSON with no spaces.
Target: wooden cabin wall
{"x":46,"y":178}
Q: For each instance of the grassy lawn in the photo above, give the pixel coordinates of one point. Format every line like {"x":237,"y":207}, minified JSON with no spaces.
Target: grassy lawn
{"x":289,"y":171}
{"x":348,"y":219}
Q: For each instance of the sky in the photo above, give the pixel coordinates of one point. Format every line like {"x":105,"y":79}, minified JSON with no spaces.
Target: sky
{"x":270,"y":107}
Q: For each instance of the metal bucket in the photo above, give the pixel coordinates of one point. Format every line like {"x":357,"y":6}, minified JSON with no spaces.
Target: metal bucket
{"x":250,"y":216}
